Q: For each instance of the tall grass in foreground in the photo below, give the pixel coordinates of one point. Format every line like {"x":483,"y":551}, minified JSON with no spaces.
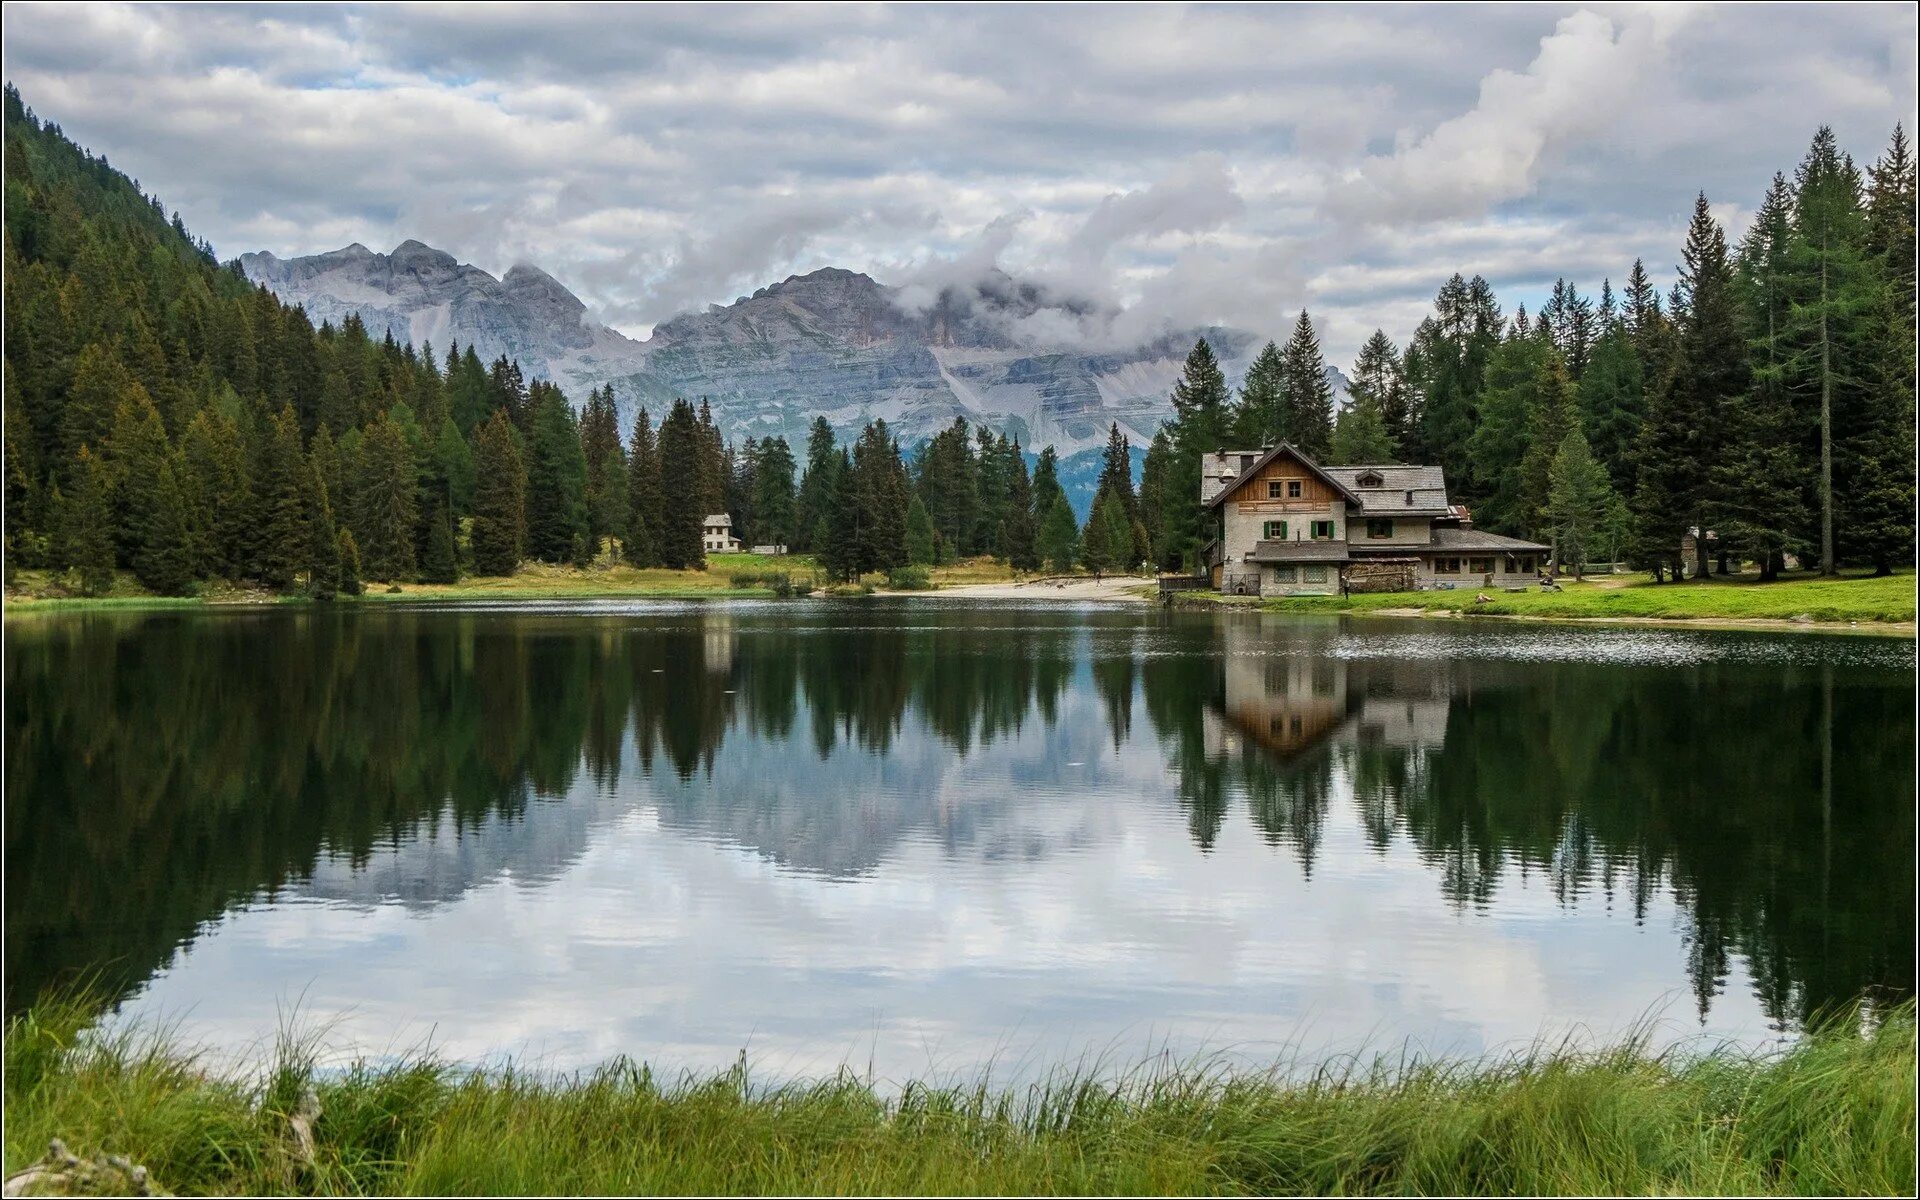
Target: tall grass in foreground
{"x":1833,"y":1114}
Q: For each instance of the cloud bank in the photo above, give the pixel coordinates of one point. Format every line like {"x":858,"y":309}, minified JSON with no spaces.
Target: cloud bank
{"x":1164,"y":166}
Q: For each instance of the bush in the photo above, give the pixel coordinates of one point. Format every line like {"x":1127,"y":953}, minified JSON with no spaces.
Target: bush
{"x":909,"y":579}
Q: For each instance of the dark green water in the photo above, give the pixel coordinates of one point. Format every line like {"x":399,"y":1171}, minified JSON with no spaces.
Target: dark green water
{"x":922,"y":835}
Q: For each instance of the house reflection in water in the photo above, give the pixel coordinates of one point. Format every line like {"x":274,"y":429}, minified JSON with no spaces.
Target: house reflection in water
{"x":1290,"y":697}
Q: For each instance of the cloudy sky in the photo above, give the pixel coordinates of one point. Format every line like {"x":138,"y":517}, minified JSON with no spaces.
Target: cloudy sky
{"x":1194,"y":164}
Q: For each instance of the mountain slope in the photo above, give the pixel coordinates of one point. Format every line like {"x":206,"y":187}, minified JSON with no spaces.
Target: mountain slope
{"x":832,"y":342}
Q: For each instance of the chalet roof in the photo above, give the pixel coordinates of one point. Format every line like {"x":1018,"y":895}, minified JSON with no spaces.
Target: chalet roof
{"x":1395,"y":488}
{"x":1446,"y":538}
{"x":719,"y":519}
{"x":1259,"y":464}
{"x":1277,"y":551}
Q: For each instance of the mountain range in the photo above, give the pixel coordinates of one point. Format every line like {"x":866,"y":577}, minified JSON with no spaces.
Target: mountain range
{"x":833,"y":342}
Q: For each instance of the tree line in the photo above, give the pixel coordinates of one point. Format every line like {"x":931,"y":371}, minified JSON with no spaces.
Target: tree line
{"x":166,"y":417}
{"x":1767,"y":398}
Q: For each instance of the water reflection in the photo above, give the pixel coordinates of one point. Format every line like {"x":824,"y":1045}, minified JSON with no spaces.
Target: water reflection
{"x":1001,"y":783}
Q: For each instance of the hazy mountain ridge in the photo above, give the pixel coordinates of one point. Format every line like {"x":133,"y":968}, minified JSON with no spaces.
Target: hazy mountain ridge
{"x":833,"y":342}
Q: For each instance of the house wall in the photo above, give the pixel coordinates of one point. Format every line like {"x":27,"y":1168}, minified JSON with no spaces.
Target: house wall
{"x":1246,"y":511}
{"x":1407,"y":531}
{"x":1508,"y":571}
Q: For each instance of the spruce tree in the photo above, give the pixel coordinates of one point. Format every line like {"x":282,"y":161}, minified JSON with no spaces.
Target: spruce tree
{"x":440,"y":563}
{"x":1019,"y":530}
{"x":921,"y":551}
{"x":280,"y":550}
{"x":1059,"y":541}
{"x":87,"y":524}
{"x":773,"y":494}
{"x":606,"y":468}
{"x":386,"y":502}
{"x":1553,"y":414}
{"x":1309,"y":395}
{"x":1200,"y":425}
{"x":164,"y":560}
{"x":1360,"y":435}
{"x":682,"y":448}
{"x":497,"y":537}
{"x":1579,"y":498}
{"x":817,"y":486}
{"x":323,"y":536}
{"x":1260,"y":418}
{"x":640,"y":543}
{"x":348,"y":564}
{"x":1378,"y":383}
{"x":556,"y":481}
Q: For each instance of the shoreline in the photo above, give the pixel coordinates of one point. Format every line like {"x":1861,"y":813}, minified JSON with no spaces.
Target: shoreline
{"x":1831,"y":1113}
{"x":1898,"y":629}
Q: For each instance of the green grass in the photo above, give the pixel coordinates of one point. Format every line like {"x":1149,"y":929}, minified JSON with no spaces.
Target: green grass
{"x":1835,"y":1114}
{"x":1848,"y":598}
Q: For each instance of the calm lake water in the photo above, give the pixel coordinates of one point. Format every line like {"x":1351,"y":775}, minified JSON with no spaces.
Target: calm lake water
{"x":920,"y":836}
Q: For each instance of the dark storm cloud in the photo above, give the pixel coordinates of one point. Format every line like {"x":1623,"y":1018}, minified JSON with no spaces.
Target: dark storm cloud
{"x":1179,"y":164}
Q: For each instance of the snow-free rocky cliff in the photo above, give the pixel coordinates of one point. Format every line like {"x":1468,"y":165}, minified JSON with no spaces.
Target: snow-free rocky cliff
{"x":832,"y":342}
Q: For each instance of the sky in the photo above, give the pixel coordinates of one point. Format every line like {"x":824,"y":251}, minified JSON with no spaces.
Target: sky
{"x":1180,"y":165}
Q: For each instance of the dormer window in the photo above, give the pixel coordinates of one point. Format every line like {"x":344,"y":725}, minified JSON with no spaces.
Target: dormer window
{"x":1370,"y":479}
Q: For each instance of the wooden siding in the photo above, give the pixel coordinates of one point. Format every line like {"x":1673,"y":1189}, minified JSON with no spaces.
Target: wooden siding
{"x":1315,"y":492}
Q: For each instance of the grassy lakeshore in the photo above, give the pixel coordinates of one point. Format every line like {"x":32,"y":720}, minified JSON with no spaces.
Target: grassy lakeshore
{"x":1801,"y":598}
{"x":39,"y":591}
{"x":1835,"y":1114}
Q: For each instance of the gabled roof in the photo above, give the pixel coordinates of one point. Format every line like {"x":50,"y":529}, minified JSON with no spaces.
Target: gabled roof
{"x":1259,"y":464}
{"x":1409,"y":490}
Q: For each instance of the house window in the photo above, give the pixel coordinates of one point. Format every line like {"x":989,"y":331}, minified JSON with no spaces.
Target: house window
{"x":1446,"y":566}
{"x":1526,"y":564}
{"x":1321,"y":529}
{"x":1313,"y":574}
{"x":1293,"y":489}
{"x":1379,"y":527}
{"x":1409,"y":499}
{"x":1273,"y":489}
{"x":1370,"y":479}
{"x":1274,"y":529}
{"x":1480,"y":566}
{"x":1286,"y":574}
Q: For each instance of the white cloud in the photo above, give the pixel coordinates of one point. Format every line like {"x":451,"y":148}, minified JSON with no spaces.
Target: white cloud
{"x":1183,"y":164}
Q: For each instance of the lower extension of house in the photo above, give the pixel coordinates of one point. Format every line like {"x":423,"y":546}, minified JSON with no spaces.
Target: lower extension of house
{"x":1284,"y":525}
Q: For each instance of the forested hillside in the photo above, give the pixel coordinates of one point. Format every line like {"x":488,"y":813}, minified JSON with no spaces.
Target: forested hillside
{"x":164,"y":416}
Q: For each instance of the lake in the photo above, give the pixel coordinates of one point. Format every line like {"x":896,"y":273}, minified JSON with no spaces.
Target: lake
{"x":921,"y":836}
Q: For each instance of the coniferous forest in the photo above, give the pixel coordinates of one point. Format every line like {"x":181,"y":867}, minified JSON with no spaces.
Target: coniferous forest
{"x":164,"y":416}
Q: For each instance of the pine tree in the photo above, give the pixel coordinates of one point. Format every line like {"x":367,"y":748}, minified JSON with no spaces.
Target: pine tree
{"x":1107,"y":542}
{"x":1553,"y":414}
{"x":606,"y":468}
{"x":1580,"y":496}
{"x":1500,"y":439}
{"x":1199,"y":427}
{"x":1378,"y":383}
{"x":817,"y":486}
{"x":1309,"y":395}
{"x":556,"y":481}
{"x":1360,"y":435}
{"x":164,"y":560}
{"x":773,"y":494}
{"x":1154,"y":474}
{"x":1019,"y":530}
{"x":1834,"y":298}
{"x":349,"y":564}
{"x":440,"y":563}
{"x":1260,"y":419}
{"x":87,"y":524}
{"x":386,"y":503}
{"x":640,"y":544}
{"x":1059,"y":541}
{"x":921,"y":551}
{"x":322,"y":556}
{"x":1116,"y":480}
{"x":882,"y":494}
{"x":497,"y":538}
{"x":683,"y":503}
{"x":947,"y":481}
{"x":280,"y":548}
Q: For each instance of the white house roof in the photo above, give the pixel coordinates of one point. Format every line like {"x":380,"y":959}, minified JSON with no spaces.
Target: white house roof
{"x":720,"y":519}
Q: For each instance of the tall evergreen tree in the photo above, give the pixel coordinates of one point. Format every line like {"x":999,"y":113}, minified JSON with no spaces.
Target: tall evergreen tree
{"x":1059,"y":541}
{"x":1260,"y":418}
{"x":922,"y":550}
{"x":1199,"y":427}
{"x":818,"y":485}
{"x":646,"y":506}
{"x":1019,"y":530}
{"x":556,"y":481}
{"x":773,"y":494}
{"x":280,"y":549}
{"x":683,"y":504}
{"x":87,"y":524}
{"x":1379,"y":383}
{"x":1309,"y":395}
{"x":497,"y":540}
{"x":1579,"y":498}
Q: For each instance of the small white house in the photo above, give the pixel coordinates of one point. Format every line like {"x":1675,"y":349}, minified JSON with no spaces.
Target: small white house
{"x":716,"y":535}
